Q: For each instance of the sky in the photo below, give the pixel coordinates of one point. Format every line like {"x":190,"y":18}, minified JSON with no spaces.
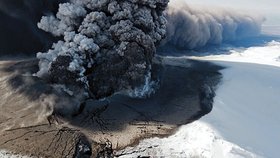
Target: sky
{"x":269,"y":8}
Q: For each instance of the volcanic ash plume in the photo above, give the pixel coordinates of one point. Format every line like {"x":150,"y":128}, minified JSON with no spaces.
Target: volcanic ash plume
{"x":195,"y":27}
{"x":107,"y":45}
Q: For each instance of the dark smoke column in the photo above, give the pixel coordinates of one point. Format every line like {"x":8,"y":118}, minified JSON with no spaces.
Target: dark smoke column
{"x":107,"y":45}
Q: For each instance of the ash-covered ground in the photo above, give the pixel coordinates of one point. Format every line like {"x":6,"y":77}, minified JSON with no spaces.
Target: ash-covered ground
{"x":186,"y":93}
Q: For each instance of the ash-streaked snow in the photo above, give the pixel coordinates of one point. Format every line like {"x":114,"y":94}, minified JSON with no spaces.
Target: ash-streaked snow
{"x":197,"y":139}
{"x":246,"y":107}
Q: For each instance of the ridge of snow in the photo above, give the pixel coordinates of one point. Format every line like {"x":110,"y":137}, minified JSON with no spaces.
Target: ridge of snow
{"x":197,"y":139}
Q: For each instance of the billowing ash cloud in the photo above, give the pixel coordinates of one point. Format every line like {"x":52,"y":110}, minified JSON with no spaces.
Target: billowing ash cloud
{"x":115,"y":37}
{"x":195,"y":27}
{"x":107,"y":45}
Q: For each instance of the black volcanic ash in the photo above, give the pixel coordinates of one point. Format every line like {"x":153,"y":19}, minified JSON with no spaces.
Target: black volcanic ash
{"x":108,"y":45}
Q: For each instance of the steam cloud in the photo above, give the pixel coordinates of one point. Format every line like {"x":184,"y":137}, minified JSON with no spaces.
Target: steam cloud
{"x":108,"y":45}
{"x":194,"y":27}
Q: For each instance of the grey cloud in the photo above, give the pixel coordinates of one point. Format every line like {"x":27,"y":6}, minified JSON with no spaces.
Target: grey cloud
{"x":195,"y":27}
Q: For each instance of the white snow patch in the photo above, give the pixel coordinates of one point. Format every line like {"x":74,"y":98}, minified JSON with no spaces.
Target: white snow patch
{"x":266,"y":55}
{"x":6,"y":154}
